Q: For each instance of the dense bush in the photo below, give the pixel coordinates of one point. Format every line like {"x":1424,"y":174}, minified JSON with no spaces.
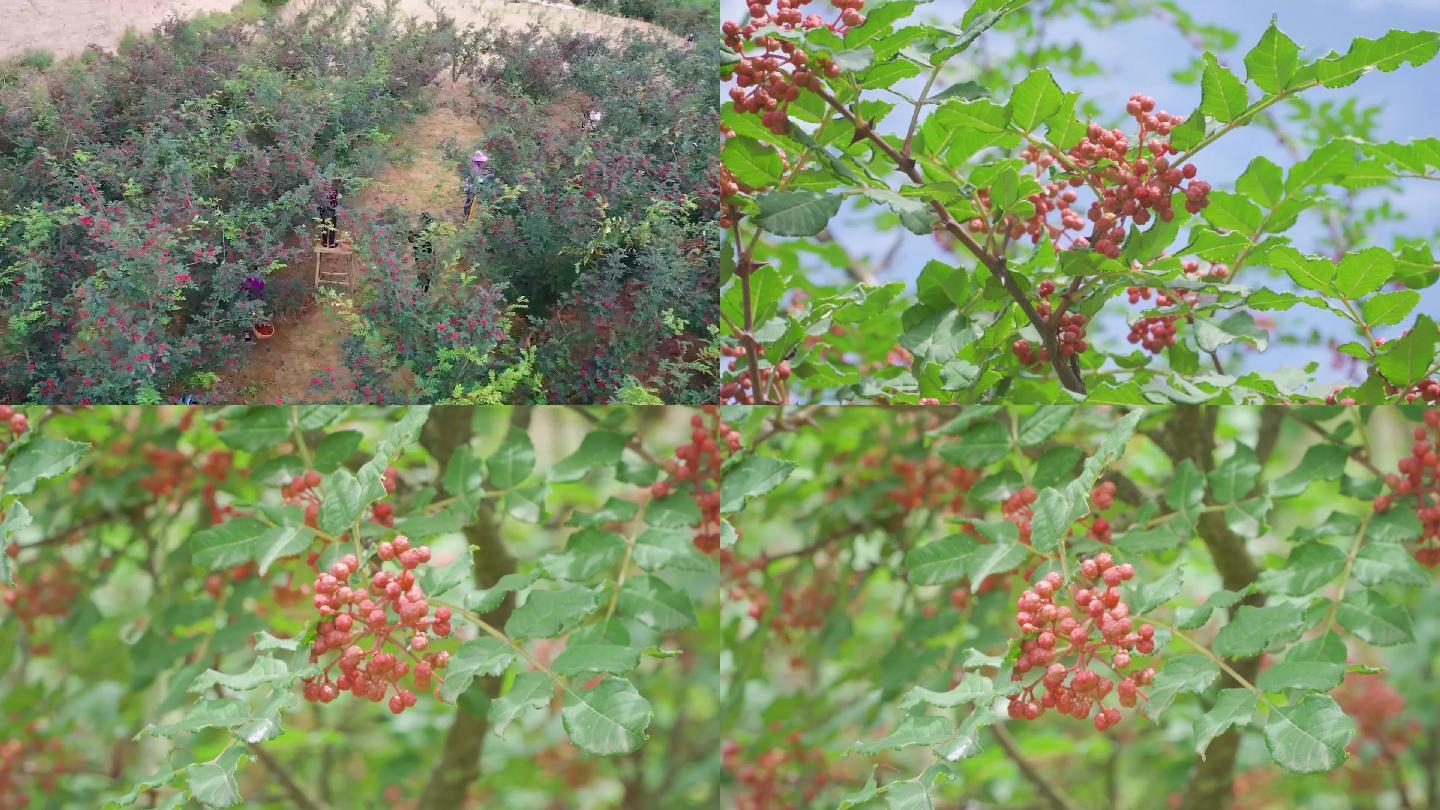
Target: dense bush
{"x":605,"y":236}
{"x":142,"y":187}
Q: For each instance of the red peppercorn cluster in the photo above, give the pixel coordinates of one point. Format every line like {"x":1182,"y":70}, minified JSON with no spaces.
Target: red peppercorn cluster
{"x":390,"y":611}
{"x":1155,"y":333}
{"x":1427,"y":390}
{"x":1379,"y":713}
{"x":51,"y":593}
{"x":1127,"y":187}
{"x":303,"y":491}
{"x":32,"y":765}
{"x":767,"y":80}
{"x":931,"y":484}
{"x":1102,"y":497}
{"x":13,"y":421}
{"x":1069,"y":331}
{"x":1016,"y":509}
{"x":1419,"y":478}
{"x":781,"y":777}
{"x":1098,"y":629}
{"x":698,"y":464}
{"x":741,"y":390}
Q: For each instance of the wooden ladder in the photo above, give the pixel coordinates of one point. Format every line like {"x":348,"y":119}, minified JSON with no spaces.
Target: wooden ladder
{"x":344,"y":277}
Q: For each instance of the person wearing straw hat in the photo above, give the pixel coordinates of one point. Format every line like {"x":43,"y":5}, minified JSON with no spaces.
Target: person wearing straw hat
{"x":475,"y":179}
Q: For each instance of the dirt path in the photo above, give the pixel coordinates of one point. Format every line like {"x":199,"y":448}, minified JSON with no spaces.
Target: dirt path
{"x":66,"y":27}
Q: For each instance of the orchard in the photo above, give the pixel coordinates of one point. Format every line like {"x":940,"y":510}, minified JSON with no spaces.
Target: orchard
{"x":1166,"y":607}
{"x":1249,"y":239}
{"x":325,"y":607}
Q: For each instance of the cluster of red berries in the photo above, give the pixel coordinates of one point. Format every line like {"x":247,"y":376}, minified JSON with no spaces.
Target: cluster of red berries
{"x":1419,"y":478}
{"x":1069,"y":331}
{"x":931,"y":484}
{"x":1427,"y":390}
{"x":698,"y":464}
{"x":302,"y":490}
{"x":1102,"y":497}
{"x":781,"y":778}
{"x":30,"y":762}
{"x":1098,"y":629}
{"x":766,"y":82}
{"x":1379,"y":713}
{"x":51,"y":593}
{"x":1155,"y":333}
{"x":390,"y":611}
{"x":742,"y":390}
{"x":14,"y":421}
{"x":1127,"y":187}
{"x":1016,"y":508}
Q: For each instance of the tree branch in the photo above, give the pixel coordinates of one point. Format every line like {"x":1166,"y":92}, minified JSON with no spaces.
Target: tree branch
{"x":1047,"y":788}
{"x":449,"y":428}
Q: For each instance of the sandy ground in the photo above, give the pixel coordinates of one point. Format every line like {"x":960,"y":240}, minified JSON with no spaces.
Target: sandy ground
{"x":66,"y":27}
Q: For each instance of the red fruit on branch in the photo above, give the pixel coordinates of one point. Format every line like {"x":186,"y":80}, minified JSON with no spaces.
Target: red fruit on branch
{"x":1417,"y":485}
{"x":1064,"y":643}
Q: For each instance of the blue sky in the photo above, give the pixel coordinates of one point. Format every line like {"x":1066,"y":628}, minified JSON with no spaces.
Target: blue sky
{"x":1139,"y":56}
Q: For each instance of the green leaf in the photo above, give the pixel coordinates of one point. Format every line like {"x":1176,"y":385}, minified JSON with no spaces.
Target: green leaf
{"x":1233,"y":212}
{"x":342,"y":504}
{"x":1186,"y":493}
{"x":1233,"y":707}
{"x":607,"y":720}
{"x":578,"y":659}
{"x":1374,"y":618}
{"x":1385,"y":54}
{"x":213,"y":713}
{"x":600,"y":448}
{"x":752,"y":164}
{"x":921,"y":729}
{"x":1316,"y":665}
{"x":512,"y":462}
{"x":973,"y":688}
{"x":1153,"y":593}
{"x":282,"y":541}
{"x":335,"y":448}
{"x":1309,"y":567}
{"x":1035,"y":99}
{"x":1378,"y":563}
{"x":1184,"y":674}
{"x":263,"y":672}
{"x":1323,"y":461}
{"x":1191,"y":618}
{"x":1263,"y":182}
{"x":1252,"y":629}
{"x":214,"y":785}
{"x":655,"y":603}
{"x":41,"y":457}
{"x":1309,"y":737}
{"x":16,"y":520}
{"x":796,"y":213}
{"x":1273,"y":61}
{"x":752,"y":477}
{"x":1329,"y":162}
{"x":547,"y":614}
{"x":1364,"y":271}
{"x":935,"y":336}
{"x":1405,"y":361}
{"x":982,"y":115}
{"x":484,"y":656}
{"x":464,"y":477}
{"x":1389,"y":308}
{"x":258,"y":428}
{"x":1043,"y":423}
{"x":982,"y":444}
{"x":1054,"y":514}
{"x":484,"y":601}
{"x":531,"y":691}
{"x":961,"y":556}
{"x":917,"y":216}
{"x":1222,"y":94}
{"x":1311,"y":272}
{"x":233,"y":543}
{"x":1235,"y":477}
{"x":587,"y":553}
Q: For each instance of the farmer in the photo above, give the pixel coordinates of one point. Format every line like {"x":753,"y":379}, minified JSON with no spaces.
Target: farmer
{"x":475,"y":179}
{"x":329,"y":234}
{"x":592,"y":122}
{"x":421,"y":247}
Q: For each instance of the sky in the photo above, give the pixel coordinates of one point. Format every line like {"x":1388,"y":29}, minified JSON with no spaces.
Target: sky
{"x":1140,"y":56}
